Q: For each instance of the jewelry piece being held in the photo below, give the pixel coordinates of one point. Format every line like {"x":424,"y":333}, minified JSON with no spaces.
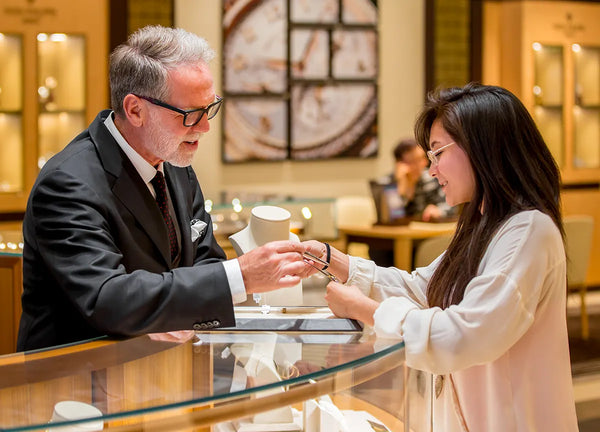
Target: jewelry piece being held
{"x":310,"y":257}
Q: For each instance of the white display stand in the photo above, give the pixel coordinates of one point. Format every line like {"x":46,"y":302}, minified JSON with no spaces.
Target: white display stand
{"x":267,"y":224}
{"x":75,"y":410}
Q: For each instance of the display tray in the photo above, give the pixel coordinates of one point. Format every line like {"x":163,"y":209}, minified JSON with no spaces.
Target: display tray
{"x":290,"y":319}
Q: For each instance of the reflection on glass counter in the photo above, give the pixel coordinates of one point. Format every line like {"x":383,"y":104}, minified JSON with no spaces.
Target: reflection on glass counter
{"x":61,"y":91}
{"x":11,"y":118}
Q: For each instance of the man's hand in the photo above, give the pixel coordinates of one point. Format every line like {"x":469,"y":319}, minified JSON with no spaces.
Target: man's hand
{"x":275,"y":265}
{"x":431,"y":213}
{"x":179,"y":336}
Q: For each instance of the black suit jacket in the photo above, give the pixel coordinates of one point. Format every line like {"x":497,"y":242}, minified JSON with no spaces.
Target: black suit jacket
{"x":96,"y":256}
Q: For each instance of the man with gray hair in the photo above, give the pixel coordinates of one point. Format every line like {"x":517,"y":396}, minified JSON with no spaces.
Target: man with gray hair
{"x":116,"y":238}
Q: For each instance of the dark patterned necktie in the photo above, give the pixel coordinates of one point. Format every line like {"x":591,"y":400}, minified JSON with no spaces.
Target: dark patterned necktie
{"x":160,"y":187}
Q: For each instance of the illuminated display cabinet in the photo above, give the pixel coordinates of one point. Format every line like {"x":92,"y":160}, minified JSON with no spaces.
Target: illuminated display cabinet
{"x":548,"y":54}
{"x":52,"y":84}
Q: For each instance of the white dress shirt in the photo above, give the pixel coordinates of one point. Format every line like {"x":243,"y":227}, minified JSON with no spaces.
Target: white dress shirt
{"x":147,"y":172}
{"x":503,"y":350}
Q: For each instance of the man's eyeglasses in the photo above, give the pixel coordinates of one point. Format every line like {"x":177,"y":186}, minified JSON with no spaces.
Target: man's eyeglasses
{"x":190,"y":117}
{"x":432,"y":155}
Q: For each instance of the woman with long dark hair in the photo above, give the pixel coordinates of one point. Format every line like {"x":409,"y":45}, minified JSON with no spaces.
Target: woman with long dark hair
{"x":486,"y":318}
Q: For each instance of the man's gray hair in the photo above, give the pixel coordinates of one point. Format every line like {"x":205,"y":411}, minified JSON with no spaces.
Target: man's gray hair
{"x":141,"y":64}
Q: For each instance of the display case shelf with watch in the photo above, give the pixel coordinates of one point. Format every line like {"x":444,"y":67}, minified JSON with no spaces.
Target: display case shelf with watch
{"x":11,"y":115}
{"x":52,"y":84}
{"x":61,"y":91}
{"x":553,"y":51}
{"x":300,"y":77}
{"x":551,"y":112}
{"x":548,"y":54}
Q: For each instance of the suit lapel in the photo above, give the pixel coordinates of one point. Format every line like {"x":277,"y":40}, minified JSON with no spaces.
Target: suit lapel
{"x":142,"y":205}
{"x":179,"y":190}
{"x":129,"y":187}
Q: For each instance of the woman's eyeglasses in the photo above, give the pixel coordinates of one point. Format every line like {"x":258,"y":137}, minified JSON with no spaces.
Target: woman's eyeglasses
{"x":190,"y":117}
{"x":432,"y":155}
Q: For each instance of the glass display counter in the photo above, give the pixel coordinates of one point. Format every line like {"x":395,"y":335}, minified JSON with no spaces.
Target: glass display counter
{"x":217,"y":381}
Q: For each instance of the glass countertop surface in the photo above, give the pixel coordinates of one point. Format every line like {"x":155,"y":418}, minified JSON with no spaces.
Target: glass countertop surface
{"x":166,"y":372}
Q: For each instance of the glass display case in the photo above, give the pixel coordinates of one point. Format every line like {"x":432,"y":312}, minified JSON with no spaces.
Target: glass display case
{"x":311,"y":218}
{"x":548,"y":54}
{"x":61,"y":91}
{"x":580,"y":149}
{"x":548,"y":96}
{"x":219,"y":381}
{"x":53,"y":82}
{"x":586,"y":112}
{"x":11,"y":113}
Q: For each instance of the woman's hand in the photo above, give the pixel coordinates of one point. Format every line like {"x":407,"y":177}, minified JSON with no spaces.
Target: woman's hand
{"x":347,"y":301}
{"x":338,"y":261}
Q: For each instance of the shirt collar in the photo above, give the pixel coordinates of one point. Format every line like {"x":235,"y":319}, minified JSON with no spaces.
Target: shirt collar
{"x":144,"y":169}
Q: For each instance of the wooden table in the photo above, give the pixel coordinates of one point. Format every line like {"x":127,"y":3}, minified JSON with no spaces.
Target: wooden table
{"x":402,"y":236}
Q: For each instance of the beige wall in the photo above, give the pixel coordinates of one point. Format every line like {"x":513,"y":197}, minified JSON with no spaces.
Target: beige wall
{"x":401,"y":90}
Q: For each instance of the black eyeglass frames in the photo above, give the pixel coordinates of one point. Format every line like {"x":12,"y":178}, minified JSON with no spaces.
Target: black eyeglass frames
{"x":190,"y":117}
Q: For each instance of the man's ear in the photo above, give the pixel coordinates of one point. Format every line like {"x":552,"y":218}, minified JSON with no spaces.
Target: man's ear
{"x":135,"y":111}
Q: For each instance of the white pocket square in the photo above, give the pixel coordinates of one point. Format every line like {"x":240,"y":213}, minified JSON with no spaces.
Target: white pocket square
{"x":198,"y":228}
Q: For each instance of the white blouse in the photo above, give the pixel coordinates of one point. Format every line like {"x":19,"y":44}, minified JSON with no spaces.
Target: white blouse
{"x":503,"y":350}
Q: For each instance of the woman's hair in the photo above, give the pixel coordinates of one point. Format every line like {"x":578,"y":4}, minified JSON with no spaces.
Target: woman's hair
{"x":141,"y":65}
{"x":513,"y":169}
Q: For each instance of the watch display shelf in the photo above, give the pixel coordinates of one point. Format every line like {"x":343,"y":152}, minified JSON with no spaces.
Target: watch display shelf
{"x":53,"y":82}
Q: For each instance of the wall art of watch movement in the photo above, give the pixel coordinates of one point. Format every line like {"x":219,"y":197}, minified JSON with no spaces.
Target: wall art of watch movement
{"x":299,"y":79}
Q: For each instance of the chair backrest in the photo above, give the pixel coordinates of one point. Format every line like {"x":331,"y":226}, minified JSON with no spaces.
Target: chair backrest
{"x":431,"y":248}
{"x":355,"y":210}
{"x":578,"y":239}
